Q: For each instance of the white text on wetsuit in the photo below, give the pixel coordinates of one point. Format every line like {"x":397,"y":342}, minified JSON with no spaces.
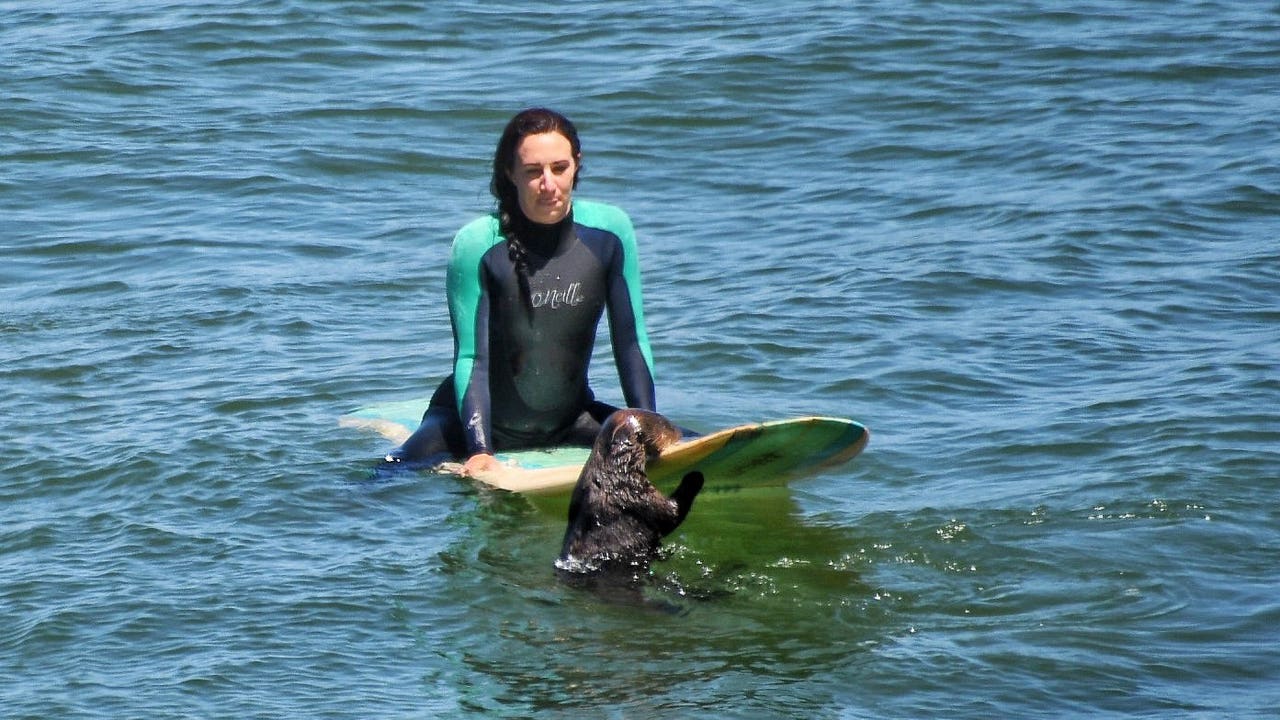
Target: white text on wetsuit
{"x":556,"y":298}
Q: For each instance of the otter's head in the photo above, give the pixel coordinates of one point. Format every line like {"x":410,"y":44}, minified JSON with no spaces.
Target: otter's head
{"x":630,"y":438}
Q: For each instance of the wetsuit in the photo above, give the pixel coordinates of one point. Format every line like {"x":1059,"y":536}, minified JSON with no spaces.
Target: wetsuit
{"x":522,"y":350}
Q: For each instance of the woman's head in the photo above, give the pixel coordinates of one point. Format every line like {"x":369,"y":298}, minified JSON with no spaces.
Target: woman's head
{"x":536,"y":166}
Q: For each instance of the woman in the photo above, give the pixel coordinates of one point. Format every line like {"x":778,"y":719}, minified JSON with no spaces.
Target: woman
{"x":527,"y":286}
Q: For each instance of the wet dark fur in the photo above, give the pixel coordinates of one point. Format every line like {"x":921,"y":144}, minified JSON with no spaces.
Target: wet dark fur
{"x":616,"y":516}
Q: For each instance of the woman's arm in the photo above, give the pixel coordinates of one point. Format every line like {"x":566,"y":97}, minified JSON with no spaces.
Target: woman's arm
{"x":468,"y":295}
{"x":631,"y":349}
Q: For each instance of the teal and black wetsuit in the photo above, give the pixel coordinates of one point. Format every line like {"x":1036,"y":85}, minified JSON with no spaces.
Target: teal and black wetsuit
{"x":521,"y":352}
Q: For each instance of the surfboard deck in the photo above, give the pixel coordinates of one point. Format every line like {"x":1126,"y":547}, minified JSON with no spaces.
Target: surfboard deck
{"x":753,"y":455}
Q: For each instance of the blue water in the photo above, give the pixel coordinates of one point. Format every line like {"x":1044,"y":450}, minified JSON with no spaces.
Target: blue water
{"x":1032,"y":247}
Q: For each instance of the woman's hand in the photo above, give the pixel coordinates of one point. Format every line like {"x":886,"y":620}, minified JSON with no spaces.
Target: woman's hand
{"x":482,"y":462}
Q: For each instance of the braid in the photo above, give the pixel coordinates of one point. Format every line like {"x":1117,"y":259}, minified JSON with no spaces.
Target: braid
{"x":516,"y":251}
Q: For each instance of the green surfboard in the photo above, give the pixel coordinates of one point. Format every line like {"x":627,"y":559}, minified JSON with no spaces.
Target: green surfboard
{"x":753,"y":455}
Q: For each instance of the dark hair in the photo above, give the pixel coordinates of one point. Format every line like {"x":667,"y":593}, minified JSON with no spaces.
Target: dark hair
{"x":511,"y":220}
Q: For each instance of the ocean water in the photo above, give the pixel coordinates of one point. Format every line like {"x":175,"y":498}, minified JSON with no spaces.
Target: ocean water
{"x":1032,"y":246}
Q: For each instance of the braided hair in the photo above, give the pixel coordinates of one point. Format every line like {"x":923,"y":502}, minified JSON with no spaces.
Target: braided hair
{"x":512,"y":223}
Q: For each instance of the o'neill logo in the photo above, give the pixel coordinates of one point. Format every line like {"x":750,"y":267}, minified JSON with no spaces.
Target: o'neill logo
{"x":556,"y":298}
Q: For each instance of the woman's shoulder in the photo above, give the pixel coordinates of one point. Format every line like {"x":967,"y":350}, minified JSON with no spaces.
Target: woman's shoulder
{"x":480,"y":230}
{"x":602,"y":216}
{"x":474,"y":240}
{"x":478,"y":235}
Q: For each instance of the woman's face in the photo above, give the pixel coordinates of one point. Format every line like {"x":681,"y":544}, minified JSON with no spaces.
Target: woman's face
{"x":543,"y":171}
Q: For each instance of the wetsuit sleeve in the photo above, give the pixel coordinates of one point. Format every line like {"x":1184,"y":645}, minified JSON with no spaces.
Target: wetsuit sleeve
{"x":631,"y":349}
{"x":467,"y":290}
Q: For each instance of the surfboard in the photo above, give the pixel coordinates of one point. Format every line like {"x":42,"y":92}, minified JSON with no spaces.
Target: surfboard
{"x":762,"y":454}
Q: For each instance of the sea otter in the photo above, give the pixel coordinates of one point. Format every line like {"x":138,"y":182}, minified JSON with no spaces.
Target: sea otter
{"x":616,"y":516}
